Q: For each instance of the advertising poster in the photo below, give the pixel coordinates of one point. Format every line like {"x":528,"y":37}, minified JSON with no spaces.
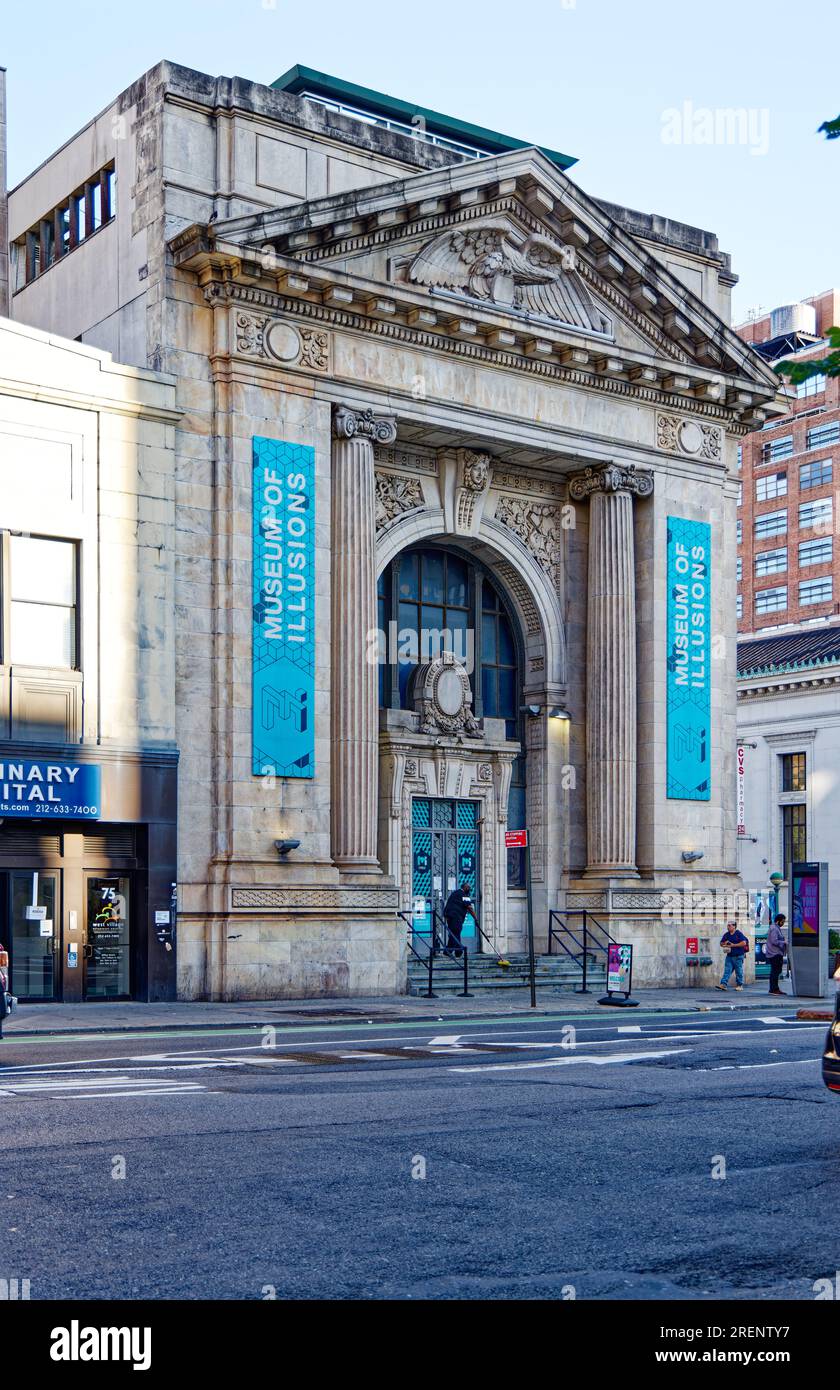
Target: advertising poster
{"x":283,"y":628}
{"x":619,"y":968}
{"x":689,"y":677}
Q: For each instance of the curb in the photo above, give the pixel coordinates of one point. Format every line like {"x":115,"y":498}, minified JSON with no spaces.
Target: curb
{"x":427,"y":1017}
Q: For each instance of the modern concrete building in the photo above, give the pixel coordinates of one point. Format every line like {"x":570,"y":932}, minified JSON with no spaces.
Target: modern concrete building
{"x":88,"y":758}
{"x":788,"y":559}
{"x":454,"y":508}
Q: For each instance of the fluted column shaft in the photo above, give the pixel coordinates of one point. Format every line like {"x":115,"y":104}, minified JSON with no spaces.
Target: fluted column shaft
{"x":611,"y":669}
{"x":611,"y":687}
{"x":355,"y":742}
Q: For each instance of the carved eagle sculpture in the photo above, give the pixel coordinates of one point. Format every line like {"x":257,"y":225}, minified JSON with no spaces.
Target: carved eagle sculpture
{"x":533,"y":276}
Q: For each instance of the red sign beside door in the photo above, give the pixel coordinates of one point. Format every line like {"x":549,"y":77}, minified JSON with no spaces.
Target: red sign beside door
{"x":516,"y":839}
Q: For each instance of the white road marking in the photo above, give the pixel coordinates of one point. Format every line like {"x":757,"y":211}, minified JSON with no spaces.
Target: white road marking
{"x":630,"y":1028}
{"x":620,"y":1057}
{"x":445,"y":1040}
{"x":761,"y":1066}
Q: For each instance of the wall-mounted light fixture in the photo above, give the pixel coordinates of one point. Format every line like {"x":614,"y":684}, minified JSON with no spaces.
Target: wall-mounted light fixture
{"x":533,"y":710}
{"x":557,"y":712}
{"x":690,"y":856}
{"x":283,"y":847}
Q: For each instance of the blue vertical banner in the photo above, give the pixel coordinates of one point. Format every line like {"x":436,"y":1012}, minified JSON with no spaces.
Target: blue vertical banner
{"x":689,"y":665}
{"x":283,"y":591}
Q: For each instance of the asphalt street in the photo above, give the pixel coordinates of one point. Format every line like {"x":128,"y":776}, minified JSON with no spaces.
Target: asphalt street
{"x":625,"y":1156}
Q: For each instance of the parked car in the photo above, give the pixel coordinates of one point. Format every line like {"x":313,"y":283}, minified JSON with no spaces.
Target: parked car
{"x":831,"y":1052}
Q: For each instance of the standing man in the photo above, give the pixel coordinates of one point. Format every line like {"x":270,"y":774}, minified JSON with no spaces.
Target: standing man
{"x":775,"y":949}
{"x":458,"y":905}
{"x":735,"y":946}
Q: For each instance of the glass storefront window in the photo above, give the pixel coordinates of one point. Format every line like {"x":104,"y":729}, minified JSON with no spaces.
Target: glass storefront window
{"x":35,"y":933}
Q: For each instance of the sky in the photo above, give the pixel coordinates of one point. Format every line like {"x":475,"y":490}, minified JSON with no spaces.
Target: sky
{"x":637,"y":90}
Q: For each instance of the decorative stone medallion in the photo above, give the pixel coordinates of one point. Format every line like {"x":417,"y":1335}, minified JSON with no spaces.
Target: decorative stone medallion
{"x":443,"y":698}
{"x":691,"y":437}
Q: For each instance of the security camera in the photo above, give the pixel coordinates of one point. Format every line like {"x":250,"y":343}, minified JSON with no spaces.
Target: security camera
{"x":283,"y":847}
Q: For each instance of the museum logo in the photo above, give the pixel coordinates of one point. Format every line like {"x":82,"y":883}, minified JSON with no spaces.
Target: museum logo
{"x":77,"y":1343}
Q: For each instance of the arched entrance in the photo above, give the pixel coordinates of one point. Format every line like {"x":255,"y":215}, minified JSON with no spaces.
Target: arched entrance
{"x":453,"y":746}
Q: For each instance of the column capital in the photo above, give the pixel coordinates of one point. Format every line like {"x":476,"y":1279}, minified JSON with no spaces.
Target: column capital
{"x":363,"y":424}
{"x":610,"y":477}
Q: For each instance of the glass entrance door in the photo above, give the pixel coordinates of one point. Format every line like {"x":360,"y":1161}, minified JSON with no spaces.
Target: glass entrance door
{"x":107,"y":937}
{"x":34,"y":934}
{"x":445,"y":845}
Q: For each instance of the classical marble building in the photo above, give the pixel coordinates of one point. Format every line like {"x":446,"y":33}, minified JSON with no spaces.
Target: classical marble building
{"x":427,"y":386}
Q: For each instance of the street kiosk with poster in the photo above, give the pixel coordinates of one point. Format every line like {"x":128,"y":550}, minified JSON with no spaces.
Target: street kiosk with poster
{"x":808,"y":928}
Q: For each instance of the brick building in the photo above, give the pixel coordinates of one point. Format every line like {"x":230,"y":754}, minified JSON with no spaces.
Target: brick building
{"x":788,"y":564}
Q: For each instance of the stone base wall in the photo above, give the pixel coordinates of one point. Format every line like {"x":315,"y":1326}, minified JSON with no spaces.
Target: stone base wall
{"x":274,"y":956}
{"x":659,"y":956}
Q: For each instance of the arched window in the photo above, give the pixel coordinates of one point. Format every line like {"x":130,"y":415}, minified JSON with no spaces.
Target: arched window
{"x":436,"y":599}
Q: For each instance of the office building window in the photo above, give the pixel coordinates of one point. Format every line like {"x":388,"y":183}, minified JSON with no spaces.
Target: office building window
{"x":821,"y":435}
{"x":739,"y":606}
{"x":740,"y":493}
{"x":739,"y":569}
{"x":812,"y":387}
{"x":816,"y":514}
{"x":814,"y":474}
{"x":42,"y":602}
{"x":64,"y":228}
{"x":771,"y":600}
{"x":771,"y":562}
{"x":815,"y":590}
{"x":815,"y":552}
{"x":794,"y":835}
{"x":739,"y":532}
{"x":740,"y":455}
{"x":769,"y":486}
{"x":777,"y":449}
{"x":792,"y":769}
{"x":771,"y":524}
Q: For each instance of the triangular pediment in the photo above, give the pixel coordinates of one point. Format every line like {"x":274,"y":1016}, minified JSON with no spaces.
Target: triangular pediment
{"x":513,"y":241}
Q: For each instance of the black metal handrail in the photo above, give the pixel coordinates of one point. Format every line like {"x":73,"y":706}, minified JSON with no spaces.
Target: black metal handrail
{"x":436,"y":949}
{"x":589,"y":945}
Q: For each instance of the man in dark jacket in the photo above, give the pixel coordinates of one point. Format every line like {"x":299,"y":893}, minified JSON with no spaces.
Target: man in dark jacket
{"x":775,"y":948}
{"x":458,"y":906}
{"x":735,"y":946}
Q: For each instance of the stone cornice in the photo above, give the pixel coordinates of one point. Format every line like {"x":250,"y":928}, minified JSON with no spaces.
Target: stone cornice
{"x":348,"y":245}
{"x":336,"y":318}
{"x":398,"y":309}
{"x":800,"y":683}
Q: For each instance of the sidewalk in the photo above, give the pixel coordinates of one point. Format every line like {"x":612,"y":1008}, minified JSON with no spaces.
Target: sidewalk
{"x":35,"y":1019}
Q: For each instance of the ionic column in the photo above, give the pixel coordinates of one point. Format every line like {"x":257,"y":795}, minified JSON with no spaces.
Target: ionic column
{"x":355,"y":713}
{"x":611,"y":667}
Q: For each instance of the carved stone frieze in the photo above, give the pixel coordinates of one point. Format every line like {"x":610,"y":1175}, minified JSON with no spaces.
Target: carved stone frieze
{"x":406,"y":459}
{"x":495,"y":263}
{"x":690,"y":437}
{"x":304,"y":898}
{"x":537,"y":524}
{"x":395,"y":495}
